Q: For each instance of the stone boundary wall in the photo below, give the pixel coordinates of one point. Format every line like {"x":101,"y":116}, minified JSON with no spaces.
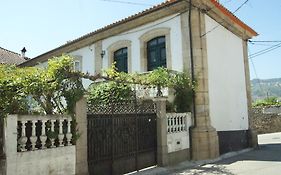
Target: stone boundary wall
{"x":264,"y":122}
{"x":51,"y":160}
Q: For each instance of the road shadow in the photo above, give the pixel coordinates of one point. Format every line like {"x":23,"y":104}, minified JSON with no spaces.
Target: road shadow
{"x":265,"y":152}
{"x":205,"y":170}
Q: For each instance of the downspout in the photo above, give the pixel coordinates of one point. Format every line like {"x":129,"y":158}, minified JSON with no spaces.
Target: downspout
{"x":192,"y":77}
{"x":191,"y":61}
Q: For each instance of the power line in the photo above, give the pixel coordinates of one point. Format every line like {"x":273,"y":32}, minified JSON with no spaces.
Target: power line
{"x":148,"y":27}
{"x":128,"y":2}
{"x":264,"y":51}
{"x":256,"y":74}
{"x":260,"y":44}
{"x":241,"y":6}
{"x":220,"y":23}
{"x":268,"y":41}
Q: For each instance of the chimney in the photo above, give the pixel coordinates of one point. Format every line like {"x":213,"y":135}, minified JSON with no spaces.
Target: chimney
{"x":23,"y":52}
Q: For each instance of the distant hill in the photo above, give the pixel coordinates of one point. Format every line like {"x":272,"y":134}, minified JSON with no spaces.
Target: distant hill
{"x":268,"y":87}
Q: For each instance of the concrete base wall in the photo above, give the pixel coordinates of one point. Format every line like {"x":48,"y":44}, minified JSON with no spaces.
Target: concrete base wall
{"x":56,"y":161}
{"x":233,"y":140}
{"x":178,"y":156}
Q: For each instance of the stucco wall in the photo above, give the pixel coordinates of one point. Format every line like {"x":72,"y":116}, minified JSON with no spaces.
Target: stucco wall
{"x":227,"y":87}
{"x":88,"y":62}
{"x":57,"y":161}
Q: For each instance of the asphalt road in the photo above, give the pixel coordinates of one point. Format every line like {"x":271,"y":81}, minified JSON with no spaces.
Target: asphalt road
{"x":263,"y":161}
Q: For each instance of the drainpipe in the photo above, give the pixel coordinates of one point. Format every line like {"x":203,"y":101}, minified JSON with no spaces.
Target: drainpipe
{"x":191,"y":56}
{"x":192,"y":74}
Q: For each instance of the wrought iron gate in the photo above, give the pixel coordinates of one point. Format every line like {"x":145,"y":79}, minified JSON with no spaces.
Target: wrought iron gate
{"x":121,"y":137}
{"x":1,"y":138}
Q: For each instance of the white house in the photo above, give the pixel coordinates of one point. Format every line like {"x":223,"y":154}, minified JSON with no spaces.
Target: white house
{"x":208,"y":41}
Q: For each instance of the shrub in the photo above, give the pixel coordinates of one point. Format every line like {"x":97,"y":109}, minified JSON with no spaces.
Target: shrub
{"x":270,"y":101}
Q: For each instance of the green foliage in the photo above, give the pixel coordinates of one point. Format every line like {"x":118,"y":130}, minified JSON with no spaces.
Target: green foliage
{"x":161,"y":77}
{"x":270,"y":101}
{"x":103,"y":93}
{"x":32,"y":90}
{"x":184,"y":89}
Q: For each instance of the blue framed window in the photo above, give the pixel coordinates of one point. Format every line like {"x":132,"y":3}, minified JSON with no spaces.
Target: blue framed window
{"x":121,"y":59}
{"x":156,"y":53}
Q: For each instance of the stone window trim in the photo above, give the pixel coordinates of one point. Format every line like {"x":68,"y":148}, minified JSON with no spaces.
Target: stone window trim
{"x":154,"y":33}
{"x":78,"y":58}
{"x":119,"y":45}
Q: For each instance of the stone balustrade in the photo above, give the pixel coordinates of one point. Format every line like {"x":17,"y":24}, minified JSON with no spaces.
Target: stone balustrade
{"x":178,"y":131}
{"x":177,"y":122}
{"x":41,"y":132}
{"x":149,"y":92}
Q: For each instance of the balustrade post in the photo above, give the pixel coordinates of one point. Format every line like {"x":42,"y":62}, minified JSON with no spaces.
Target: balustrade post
{"x":52,"y":138}
{"x":33,"y":138}
{"x":43,"y":136}
{"x":61,"y":135}
{"x":69,"y":135}
{"x":23,"y":138}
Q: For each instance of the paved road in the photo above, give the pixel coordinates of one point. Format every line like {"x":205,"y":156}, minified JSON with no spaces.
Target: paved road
{"x":264,"y":161}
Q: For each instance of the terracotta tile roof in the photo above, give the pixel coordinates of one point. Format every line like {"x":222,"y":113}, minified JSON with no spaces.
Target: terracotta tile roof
{"x":9,"y":57}
{"x":234,"y":18}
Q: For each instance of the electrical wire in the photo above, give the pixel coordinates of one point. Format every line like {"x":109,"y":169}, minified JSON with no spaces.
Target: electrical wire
{"x":273,"y":41}
{"x":220,"y":23}
{"x":255,"y":72}
{"x":128,"y":2}
{"x":148,"y":27}
{"x":240,"y":6}
{"x":264,"y":51}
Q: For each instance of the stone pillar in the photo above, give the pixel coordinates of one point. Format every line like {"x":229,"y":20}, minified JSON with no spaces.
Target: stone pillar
{"x":204,"y":136}
{"x":253,"y":139}
{"x":10,"y":128}
{"x":81,"y":144}
{"x":162,"y":147}
{"x":98,"y":58}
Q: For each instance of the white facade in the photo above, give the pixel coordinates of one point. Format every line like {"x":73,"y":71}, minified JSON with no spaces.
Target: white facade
{"x":227,"y":85}
{"x":172,"y":22}
{"x":226,"y":74}
{"x":87,"y":55}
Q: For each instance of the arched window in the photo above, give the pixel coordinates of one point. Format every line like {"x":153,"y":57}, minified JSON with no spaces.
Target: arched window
{"x":121,"y":59}
{"x":156,"y":53}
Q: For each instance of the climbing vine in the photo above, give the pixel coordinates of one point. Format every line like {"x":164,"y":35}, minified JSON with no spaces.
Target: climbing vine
{"x":34,"y":90}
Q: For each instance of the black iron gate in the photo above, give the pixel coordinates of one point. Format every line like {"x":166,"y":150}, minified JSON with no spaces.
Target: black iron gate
{"x":121,"y":137}
{"x":1,"y":138}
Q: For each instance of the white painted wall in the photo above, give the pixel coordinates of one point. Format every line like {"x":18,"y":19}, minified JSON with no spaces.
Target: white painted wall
{"x":133,"y":35}
{"x":179,"y":140}
{"x":88,"y":61}
{"x":227,"y":86}
{"x":173,"y":22}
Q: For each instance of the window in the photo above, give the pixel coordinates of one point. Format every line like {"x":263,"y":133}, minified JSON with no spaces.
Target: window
{"x":121,"y":59}
{"x":76,"y":65}
{"x":156,"y":53}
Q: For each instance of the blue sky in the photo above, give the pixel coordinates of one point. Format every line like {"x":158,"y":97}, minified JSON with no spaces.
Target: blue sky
{"x":45,"y":24}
